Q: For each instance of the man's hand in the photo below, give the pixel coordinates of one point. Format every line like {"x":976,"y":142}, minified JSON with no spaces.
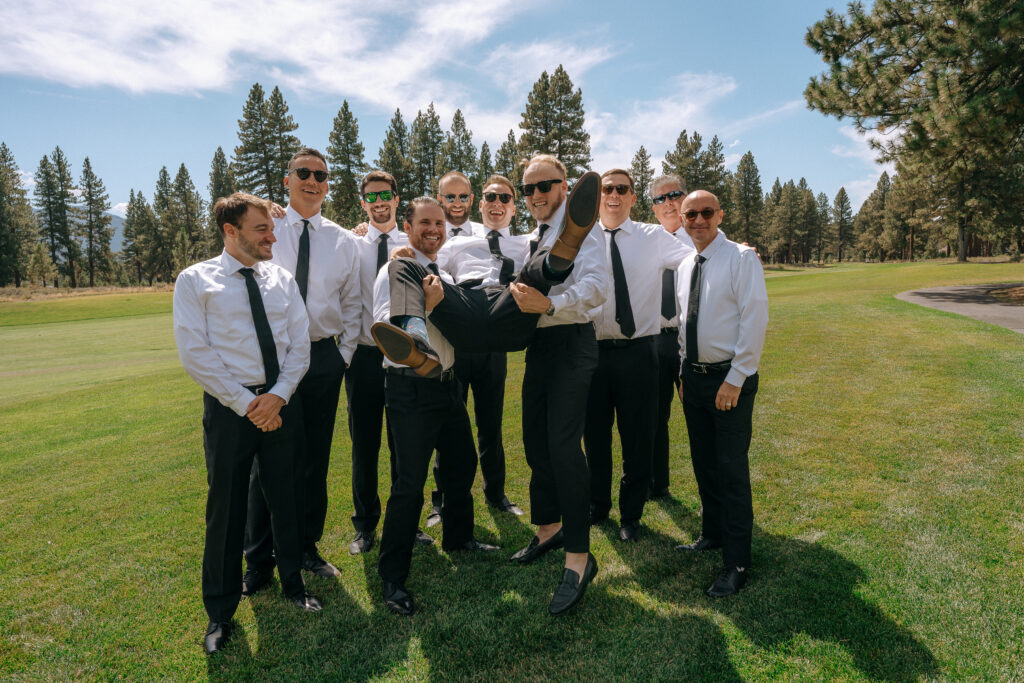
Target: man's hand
{"x":402,"y":252}
{"x":276,"y":210}
{"x":272,"y":425}
{"x":728,"y":396}
{"x":264,"y":409}
{"x":361,"y":229}
{"x":529,"y":299}
{"x":433,"y":292}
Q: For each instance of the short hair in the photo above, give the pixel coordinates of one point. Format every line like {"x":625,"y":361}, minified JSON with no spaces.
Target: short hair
{"x":667,"y":178}
{"x":453,"y":174}
{"x":410,"y":209}
{"x":230,"y":209}
{"x":306,"y":152}
{"x":378,"y":175}
{"x":620,"y":171}
{"x":540,"y":158}
{"x":501,"y":180}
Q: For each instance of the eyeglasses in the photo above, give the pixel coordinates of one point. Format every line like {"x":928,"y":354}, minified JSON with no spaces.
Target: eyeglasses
{"x":706,"y":214}
{"x":463,"y":198}
{"x":303,"y":173}
{"x":621,"y":189}
{"x":544,"y":186}
{"x":385,"y":196}
{"x":660,"y":199}
{"x":502,"y":197}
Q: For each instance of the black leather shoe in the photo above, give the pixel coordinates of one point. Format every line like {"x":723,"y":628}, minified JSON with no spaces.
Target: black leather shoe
{"x":475,"y":546}
{"x":306,"y":602}
{"x":423,"y":538}
{"x":730,"y":580}
{"x":312,"y":562}
{"x":217,"y":635}
{"x":700,"y":545}
{"x":597,"y":516}
{"x":255,"y":580}
{"x":361,"y":543}
{"x":506,"y":505}
{"x":630,"y":531}
{"x":536,"y":548}
{"x":398,"y":600}
{"x":571,"y":588}
{"x":434,"y":517}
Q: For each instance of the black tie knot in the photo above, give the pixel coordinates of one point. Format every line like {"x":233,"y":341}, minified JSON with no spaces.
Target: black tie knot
{"x":433,"y":269}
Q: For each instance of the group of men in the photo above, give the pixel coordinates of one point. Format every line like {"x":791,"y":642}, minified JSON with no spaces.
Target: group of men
{"x":614,"y":316}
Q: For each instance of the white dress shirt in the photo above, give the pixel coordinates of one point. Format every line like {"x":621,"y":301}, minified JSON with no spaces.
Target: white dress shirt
{"x":467,"y":229}
{"x":470,"y":258}
{"x":216,"y":336}
{"x":368,"y":273}
{"x":332,"y":291}
{"x":733,"y":313}
{"x":382,"y":313}
{"x":646,"y":251}
{"x":584,"y":289}
{"x":680,"y":235}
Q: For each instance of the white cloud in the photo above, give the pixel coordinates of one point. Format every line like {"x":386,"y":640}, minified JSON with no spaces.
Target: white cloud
{"x":27,"y":179}
{"x":734,"y":143}
{"x":754,"y":120}
{"x":860,"y":147}
{"x":520,"y":64}
{"x":119,"y":209}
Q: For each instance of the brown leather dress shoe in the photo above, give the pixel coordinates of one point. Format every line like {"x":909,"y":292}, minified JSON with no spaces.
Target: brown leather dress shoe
{"x":404,"y":349}
{"x":581,"y":208}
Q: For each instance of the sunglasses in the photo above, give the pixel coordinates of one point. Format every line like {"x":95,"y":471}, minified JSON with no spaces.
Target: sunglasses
{"x":303,"y":173}
{"x":463,"y":198}
{"x":500,"y":196}
{"x":385,"y":196}
{"x":621,"y":189}
{"x":544,"y":186}
{"x":660,"y":199}
{"x":706,"y":214}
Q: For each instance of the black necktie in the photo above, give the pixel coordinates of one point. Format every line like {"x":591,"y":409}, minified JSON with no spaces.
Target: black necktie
{"x":540,"y":235}
{"x":507,"y":264}
{"x":382,"y":250}
{"x":432,"y":267}
{"x":668,"y":294}
{"x":263,"y":334}
{"x":302,"y":265}
{"x":692,"y":305}
{"x":456,"y":231}
{"x":623,"y":308}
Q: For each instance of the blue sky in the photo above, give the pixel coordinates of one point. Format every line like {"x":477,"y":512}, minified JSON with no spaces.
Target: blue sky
{"x":136,"y":86}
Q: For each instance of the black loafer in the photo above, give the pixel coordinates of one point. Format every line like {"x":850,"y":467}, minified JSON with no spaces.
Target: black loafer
{"x":506,"y":505}
{"x":630,"y":531}
{"x":305,"y":602}
{"x":404,"y":349}
{"x":474,"y":545}
{"x":571,"y":588}
{"x":312,"y":562}
{"x":398,"y":600}
{"x":536,"y":548}
{"x":700,"y":545}
{"x":361,"y":543}
{"x":217,"y":635}
{"x":255,"y":580}
{"x":729,"y":582}
{"x":423,"y":538}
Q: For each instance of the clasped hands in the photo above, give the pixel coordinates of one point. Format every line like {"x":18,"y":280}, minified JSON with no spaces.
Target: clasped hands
{"x":264,"y":411}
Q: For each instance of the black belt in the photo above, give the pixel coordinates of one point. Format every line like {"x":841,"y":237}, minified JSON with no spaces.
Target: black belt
{"x":674,"y":331}
{"x":445,"y":376}
{"x":332,"y":340}
{"x":623,"y":343}
{"x":258,"y":389}
{"x":708,"y":368}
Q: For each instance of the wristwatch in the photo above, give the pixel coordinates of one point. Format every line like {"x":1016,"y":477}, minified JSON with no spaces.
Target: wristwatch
{"x":551,"y":310}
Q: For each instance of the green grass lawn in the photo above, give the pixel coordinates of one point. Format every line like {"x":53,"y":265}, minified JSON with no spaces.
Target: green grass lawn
{"x":889,"y":541}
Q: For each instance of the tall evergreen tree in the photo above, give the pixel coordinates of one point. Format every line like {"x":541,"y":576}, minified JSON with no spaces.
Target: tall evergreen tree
{"x":347,"y":167}
{"x":160,"y":243}
{"x":684,"y":161}
{"x":255,"y":165}
{"x":55,"y":203}
{"x":425,"y":141}
{"x":280,"y":125}
{"x":95,"y":228}
{"x":842,"y":222}
{"x":824,"y":210}
{"x":506,"y":163}
{"x":393,"y":156}
{"x":190,"y":220}
{"x":222,"y":184}
{"x":643,"y":173}
{"x":483,"y":170}
{"x":17,"y":222}
{"x":458,"y":153}
{"x":553,"y":122}
{"x":747,"y":201}
{"x":870,"y":221}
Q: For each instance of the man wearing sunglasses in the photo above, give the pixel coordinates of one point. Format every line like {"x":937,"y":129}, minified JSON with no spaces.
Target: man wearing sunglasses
{"x":624,"y":387}
{"x":324,"y":260}
{"x":667,"y":192}
{"x":456,"y":197}
{"x":723,"y":308}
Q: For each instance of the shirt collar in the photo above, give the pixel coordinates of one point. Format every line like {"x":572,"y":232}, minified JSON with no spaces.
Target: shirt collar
{"x":373,"y":234}
{"x":627,"y":226}
{"x":232,"y":265}
{"x":464,"y":229}
{"x":421,"y":258}
{"x":715,"y":245}
{"x":504,"y":232}
{"x":292,"y":217}
{"x":556,"y":219}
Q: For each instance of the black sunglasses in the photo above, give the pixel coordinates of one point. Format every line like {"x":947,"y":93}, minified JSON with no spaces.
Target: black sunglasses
{"x":621,"y":189}
{"x":707,"y":214}
{"x":500,"y":196}
{"x":463,"y":198}
{"x":544,"y":186}
{"x":660,"y":199}
{"x":303,"y":173}
{"x":385,"y":196}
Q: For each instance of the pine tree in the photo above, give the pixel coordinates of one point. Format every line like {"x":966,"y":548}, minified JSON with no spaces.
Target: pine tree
{"x":222,"y":184}
{"x":643,"y":174}
{"x":425,"y":141}
{"x":506,"y":163}
{"x":160,"y":242}
{"x":55,"y":203}
{"x":393,"y":156}
{"x":747,"y":201}
{"x":842,"y":222}
{"x":255,"y":165}
{"x":484,"y":169}
{"x":685,"y":161}
{"x":95,"y":228}
{"x":458,"y":153}
{"x":189,"y":212}
{"x":17,"y":222}
{"x":284,"y":145}
{"x":824,"y":211}
{"x":553,"y":122}
{"x":347,"y":167}
{"x":870,"y":221}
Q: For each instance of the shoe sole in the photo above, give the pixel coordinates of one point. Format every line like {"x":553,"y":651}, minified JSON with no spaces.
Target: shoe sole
{"x":400,"y":347}
{"x":581,"y":211}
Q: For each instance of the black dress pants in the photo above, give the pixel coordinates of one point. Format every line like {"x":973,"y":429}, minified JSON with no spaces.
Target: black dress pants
{"x":668,"y":383}
{"x":559,"y":364}
{"x":719,"y":443}
{"x":623,"y":391}
{"x":231,"y":443}
{"x":318,"y":393}
{"x":426,"y":414}
{"x":364,"y":387}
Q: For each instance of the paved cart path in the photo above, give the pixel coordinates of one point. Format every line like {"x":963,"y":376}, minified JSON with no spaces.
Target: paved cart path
{"x":973,"y":301}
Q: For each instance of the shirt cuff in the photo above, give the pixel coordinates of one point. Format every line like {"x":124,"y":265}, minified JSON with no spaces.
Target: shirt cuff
{"x":241,"y":403}
{"x":559,"y":301}
{"x":735,"y":377}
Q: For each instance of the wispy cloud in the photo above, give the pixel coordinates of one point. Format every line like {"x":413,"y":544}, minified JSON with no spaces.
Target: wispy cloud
{"x":736,"y":127}
{"x":27,"y":179}
{"x":860,"y":148}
